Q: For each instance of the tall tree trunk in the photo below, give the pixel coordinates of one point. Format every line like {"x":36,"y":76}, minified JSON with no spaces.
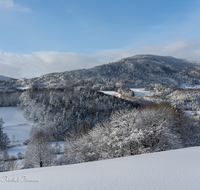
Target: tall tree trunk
{"x":40,"y":163}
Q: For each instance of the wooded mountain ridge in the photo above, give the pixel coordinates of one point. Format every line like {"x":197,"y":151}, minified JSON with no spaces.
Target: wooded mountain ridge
{"x":134,"y":72}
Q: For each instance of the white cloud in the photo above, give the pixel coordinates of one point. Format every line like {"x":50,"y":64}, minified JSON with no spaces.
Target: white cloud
{"x":10,"y":5}
{"x":39,"y":63}
{"x":185,"y":49}
{"x":6,"y":4}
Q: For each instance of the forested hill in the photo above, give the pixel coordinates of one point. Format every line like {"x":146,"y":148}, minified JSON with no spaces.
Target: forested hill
{"x":59,"y":112}
{"x":136,"y":71}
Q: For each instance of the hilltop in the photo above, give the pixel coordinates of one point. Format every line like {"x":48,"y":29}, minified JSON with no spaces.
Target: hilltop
{"x":134,"y":72}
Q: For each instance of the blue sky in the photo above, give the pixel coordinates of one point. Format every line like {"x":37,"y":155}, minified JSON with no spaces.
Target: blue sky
{"x":41,"y":36}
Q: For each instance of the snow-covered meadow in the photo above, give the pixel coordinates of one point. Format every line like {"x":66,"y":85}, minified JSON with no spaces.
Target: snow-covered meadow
{"x":183,"y":85}
{"x":16,"y":125}
{"x":112,"y":93}
{"x":174,"y":170}
{"x":137,"y":91}
{"x":141,"y":92}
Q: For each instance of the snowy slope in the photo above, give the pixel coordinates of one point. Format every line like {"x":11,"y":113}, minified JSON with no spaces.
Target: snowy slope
{"x":174,"y":170}
{"x":141,"y":92}
{"x":183,"y":85}
{"x":137,"y":92}
{"x":113,"y":93}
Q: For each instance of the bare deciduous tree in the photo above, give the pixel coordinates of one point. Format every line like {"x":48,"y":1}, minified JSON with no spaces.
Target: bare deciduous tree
{"x":12,"y":164}
{"x":20,"y":155}
{"x":39,"y":151}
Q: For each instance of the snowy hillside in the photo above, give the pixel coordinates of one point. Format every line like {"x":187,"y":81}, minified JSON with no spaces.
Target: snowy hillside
{"x":174,"y":170}
{"x":137,"y":92}
{"x":138,"y":71}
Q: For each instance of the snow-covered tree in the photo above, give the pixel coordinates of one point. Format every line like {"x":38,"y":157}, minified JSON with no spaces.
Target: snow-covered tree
{"x":20,"y":155}
{"x":5,"y":156}
{"x":39,"y":151}
{"x":13,"y":138}
{"x":12,"y":163}
{"x":57,"y":148}
{"x":1,"y":134}
{"x":64,"y":111}
{"x":2,"y":162}
{"x":4,"y":140}
{"x":152,"y":128}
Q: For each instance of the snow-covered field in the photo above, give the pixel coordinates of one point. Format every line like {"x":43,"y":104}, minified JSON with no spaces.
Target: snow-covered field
{"x":15,"y":124}
{"x":137,"y":91}
{"x":141,"y":92}
{"x":183,"y":85}
{"x":23,"y":88}
{"x":170,"y":170}
{"x":113,"y":93}
{"x":12,"y":116}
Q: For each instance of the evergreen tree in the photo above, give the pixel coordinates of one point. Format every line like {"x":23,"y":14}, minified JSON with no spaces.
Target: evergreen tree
{"x":2,"y":163}
{"x":4,"y":140}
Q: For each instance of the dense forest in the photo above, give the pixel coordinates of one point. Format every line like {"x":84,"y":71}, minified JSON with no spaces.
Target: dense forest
{"x":58,"y":112}
{"x":10,"y":97}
